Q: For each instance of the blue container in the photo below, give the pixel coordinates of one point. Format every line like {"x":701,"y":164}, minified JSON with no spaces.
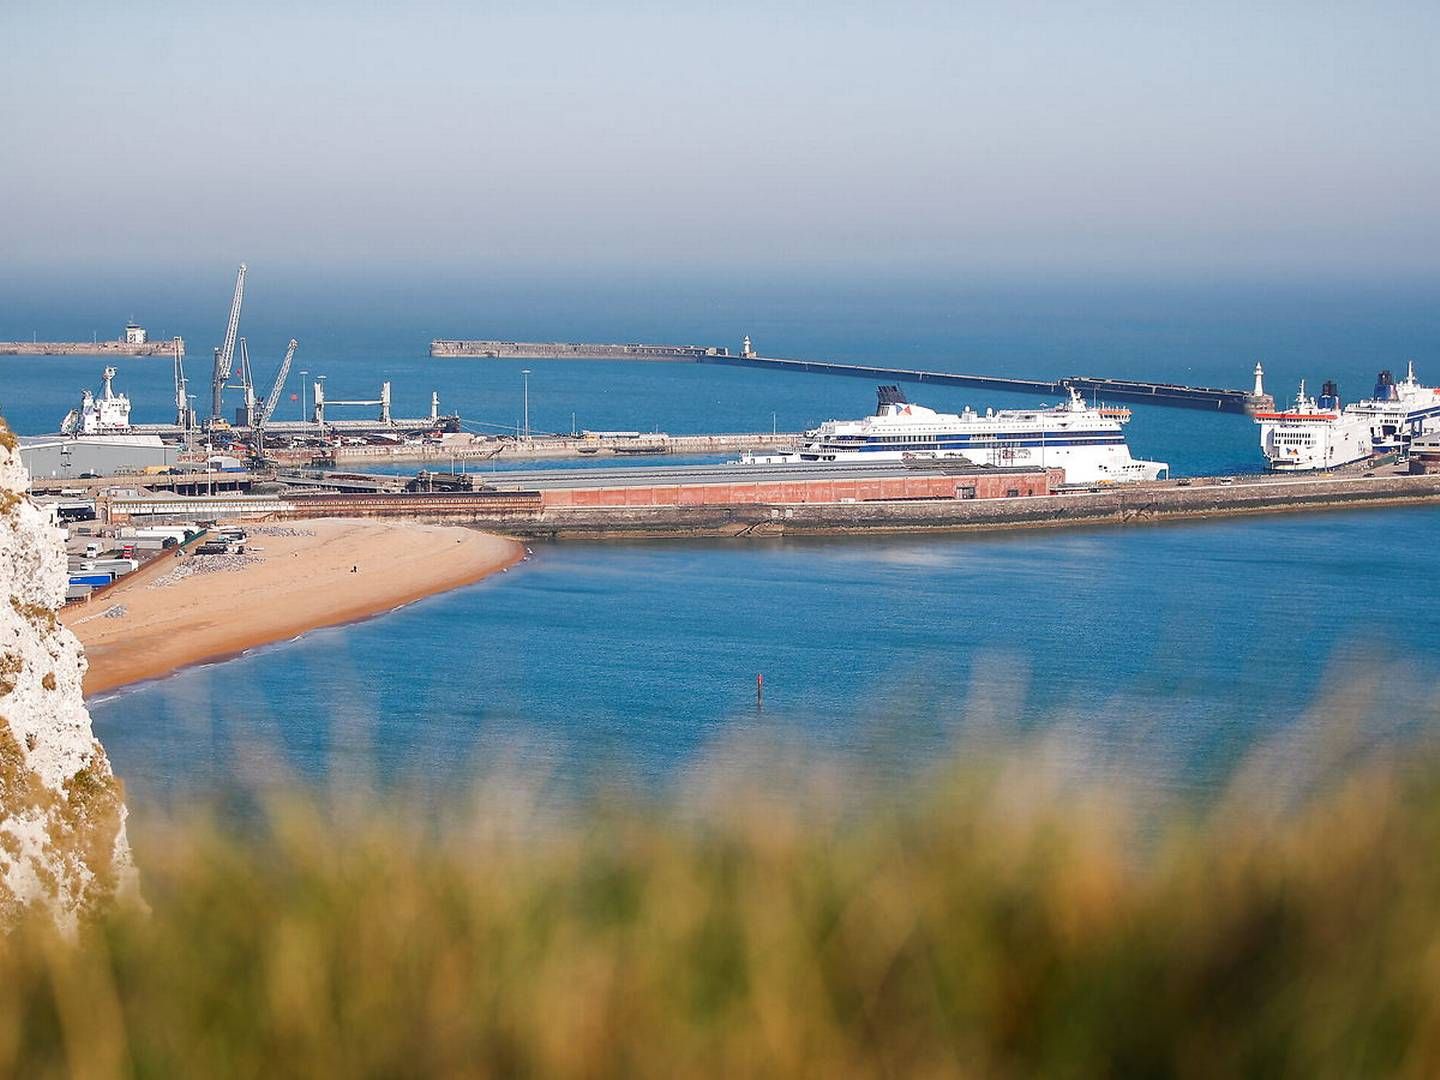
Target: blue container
{"x":91,"y":579}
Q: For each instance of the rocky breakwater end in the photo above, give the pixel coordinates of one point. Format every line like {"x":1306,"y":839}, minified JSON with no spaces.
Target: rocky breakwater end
{"x":63,"y":846}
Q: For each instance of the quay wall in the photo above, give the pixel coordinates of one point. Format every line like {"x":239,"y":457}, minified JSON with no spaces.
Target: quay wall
{"x":795,"y":492}
{"x":528,"y":515}
{"x":158,"y":347}
{"x":1120,"y":506}
{"x":543,"y":448}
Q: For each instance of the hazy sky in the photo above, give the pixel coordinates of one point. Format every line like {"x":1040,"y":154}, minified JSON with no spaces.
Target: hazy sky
{"x":1119,"y":137}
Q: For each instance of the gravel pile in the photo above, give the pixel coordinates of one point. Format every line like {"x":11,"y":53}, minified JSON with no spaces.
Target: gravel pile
{"x":205,"y":564}
{"x":277,"y":530}
{"x":114,"y":611}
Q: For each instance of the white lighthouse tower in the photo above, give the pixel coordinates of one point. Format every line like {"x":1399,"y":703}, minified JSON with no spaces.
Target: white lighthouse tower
{"x":1258,"y":400}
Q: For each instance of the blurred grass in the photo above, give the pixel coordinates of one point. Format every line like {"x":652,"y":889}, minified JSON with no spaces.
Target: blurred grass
{"x":993,"y":924}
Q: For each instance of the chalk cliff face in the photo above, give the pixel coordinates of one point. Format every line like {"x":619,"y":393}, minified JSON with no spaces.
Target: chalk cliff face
{"x":63,"y":848}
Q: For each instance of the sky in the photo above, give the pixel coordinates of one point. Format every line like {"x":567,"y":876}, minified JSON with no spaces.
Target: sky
{"x":654,"y":139}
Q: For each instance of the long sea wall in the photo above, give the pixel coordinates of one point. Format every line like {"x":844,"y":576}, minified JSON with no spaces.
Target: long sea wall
{"x":530,"y":514}
{"x":160,"y":347}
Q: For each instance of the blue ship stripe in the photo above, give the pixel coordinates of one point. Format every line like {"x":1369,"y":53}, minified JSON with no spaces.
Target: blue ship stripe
{"x":975,"y":444}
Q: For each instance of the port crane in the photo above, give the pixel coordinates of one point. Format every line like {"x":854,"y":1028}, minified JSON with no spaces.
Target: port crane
{"x":246,"y":386}
{"x":272,"y":401}
{"x":184,"y":414}
{"x":225,"y":355}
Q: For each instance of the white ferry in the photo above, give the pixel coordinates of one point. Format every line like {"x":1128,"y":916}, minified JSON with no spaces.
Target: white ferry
{"x":1314,"y":433}
{"x":1086,"y":442}
{"x":1399,"y":411}
{"x":1319,"y":434}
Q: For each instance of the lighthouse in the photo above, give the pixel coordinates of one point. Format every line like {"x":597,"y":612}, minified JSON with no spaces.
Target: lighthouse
{"x":1258,"y":400}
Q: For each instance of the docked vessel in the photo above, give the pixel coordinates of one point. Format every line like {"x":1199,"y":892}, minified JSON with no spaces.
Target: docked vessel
{"x":1087,"y":442}
{"x":108,"y":414}
{"x":1314,"y":433}
{"x":1319,"y":434}
{"x":1399,"y":411}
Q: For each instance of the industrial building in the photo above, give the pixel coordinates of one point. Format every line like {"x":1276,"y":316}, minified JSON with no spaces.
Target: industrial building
{"x":61,"y":457}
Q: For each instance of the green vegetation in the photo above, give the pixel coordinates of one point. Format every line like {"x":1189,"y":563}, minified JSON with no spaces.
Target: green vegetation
{"x":995,"y":925}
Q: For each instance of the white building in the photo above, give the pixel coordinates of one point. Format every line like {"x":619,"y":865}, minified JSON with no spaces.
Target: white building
{"x":134,"y":334}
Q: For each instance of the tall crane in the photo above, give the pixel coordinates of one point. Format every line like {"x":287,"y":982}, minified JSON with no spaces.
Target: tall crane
{"x":272,"y":400}
{"x":225,"y":355}
{"x":246,"y":385}
{"x":183,"y":415}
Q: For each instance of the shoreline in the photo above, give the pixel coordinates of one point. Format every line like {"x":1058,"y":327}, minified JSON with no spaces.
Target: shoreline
{"x":298,"y":580}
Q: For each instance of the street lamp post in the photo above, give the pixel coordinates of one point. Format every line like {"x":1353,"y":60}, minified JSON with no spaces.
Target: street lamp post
{"x":526,"y":373}
{"x":303,"y":375}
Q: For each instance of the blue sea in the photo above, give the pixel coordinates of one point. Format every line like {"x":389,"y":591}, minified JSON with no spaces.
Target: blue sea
{"x":1168,"y":652}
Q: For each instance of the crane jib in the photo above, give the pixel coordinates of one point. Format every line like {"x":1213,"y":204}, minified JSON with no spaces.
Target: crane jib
{"x":225,"y":355}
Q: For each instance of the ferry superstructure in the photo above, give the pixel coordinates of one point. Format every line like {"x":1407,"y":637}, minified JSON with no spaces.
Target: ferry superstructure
{"x":1320,"y":434}
{"x":1087,"y":442}
{"x":109,"y":414}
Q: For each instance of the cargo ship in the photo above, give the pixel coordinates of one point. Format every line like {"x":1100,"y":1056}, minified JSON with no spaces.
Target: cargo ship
{"x":1088,"y":442}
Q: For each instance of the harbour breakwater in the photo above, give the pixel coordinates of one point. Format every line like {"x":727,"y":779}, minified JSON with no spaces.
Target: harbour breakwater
{"x":1216,"y":399}
{"x":162,"y":347}
{"x":567,"y":350}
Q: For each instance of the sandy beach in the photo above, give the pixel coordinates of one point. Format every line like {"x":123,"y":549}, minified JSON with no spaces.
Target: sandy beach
{"x":294,"y":577}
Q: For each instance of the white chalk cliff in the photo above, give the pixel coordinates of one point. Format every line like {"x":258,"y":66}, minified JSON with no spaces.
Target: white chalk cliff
{"x":63,"y":849}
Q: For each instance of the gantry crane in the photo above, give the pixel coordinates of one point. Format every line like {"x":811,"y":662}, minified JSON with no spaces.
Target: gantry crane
{"x":225,"y":355}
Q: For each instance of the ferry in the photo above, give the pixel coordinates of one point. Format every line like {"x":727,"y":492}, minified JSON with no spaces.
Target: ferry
{"x":1319,"y":434}
{"x":1314,"y":433}
{"x":1087,"y":442}
{"x":1399,"y":411}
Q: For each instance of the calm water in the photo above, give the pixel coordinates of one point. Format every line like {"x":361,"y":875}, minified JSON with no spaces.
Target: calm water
{"x":1171,"y":650}
{"x":1174,"y":647}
